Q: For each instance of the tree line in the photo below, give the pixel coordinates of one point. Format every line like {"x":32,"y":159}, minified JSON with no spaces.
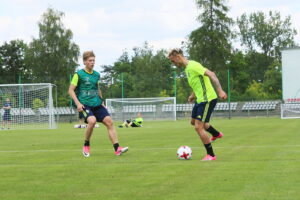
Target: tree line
{"x":247,"y":47}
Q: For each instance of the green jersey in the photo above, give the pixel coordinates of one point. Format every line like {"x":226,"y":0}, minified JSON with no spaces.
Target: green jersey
{"x":87,"y":90}
{"x":200,"y":83}
{"x":138,"y":121}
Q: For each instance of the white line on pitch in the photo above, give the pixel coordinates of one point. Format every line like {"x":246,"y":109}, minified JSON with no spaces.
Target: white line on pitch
{"x":144,"y":149}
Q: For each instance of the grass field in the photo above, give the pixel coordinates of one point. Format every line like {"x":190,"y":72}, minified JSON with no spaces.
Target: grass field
{"x":258,"y":159}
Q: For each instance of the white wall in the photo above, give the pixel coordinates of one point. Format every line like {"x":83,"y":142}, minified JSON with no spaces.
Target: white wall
{"x":291,"y":73}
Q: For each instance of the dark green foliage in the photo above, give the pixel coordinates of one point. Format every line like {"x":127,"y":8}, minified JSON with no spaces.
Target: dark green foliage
{"x":266,"y":33}
{"x":262,"y":37}
{"x":12,"y":62}
{"x":210,"y":43}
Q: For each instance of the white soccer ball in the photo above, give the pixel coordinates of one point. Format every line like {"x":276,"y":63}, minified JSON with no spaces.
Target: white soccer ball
{"x":184,"y":153}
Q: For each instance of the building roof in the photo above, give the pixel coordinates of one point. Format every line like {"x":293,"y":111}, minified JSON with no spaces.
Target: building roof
{"x":290,"y":48}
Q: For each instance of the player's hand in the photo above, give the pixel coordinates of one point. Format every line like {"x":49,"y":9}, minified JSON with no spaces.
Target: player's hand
{"x":222,"y":95}
{"x":80,"y":107}
{"x":191,"y":99}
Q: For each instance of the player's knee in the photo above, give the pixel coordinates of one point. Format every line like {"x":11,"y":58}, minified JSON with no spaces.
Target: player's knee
{"x":92,"y":121}
{"x":199,"y":127}
{"x":206,"y":126}
{"x":109,"y":122}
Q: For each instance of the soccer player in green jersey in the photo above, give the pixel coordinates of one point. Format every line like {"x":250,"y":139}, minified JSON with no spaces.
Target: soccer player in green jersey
{"x":85,"y":92}
{"x":137,"y":122}
{"x":200,"y":80}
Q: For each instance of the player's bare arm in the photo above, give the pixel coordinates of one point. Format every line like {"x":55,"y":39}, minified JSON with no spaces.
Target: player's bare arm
{"x":191,"y":97}
{"x":74,"y":97}
{"x":214,"y":79}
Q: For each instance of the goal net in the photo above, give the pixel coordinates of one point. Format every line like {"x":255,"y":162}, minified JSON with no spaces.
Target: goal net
{"x":290,"y":109}
{"x":159,"y":108}
{"x":27,"y":106}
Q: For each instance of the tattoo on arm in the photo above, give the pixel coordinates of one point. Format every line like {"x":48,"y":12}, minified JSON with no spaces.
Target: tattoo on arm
{"x":216,"y":82}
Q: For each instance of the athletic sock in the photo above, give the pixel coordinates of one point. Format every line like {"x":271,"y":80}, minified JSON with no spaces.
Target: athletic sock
{"x":116,"y":146}
{"x":213,"y":131}
{"x":209,"y":149}
{"x":86,"y":143}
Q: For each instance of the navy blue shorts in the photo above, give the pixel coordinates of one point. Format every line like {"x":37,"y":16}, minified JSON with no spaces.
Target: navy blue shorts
{"x":100,"y":112}
{"x":202,"y":111}
{"x":6,"y":117}
{"x":80,"y":115}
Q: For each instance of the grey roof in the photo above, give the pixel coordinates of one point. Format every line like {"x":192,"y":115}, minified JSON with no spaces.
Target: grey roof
{"x":290,"y":48}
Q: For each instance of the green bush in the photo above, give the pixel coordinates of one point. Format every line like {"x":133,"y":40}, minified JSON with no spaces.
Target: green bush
{"x":38,"y":103}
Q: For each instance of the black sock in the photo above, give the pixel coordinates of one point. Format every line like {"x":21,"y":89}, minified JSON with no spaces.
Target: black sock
{"x":209,"y":149}
{"x":116,"y":145}
{"x":86,"y":143}
{"x":213,"y":131}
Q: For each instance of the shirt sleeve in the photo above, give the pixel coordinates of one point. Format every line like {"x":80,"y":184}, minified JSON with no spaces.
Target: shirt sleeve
{"x":200,"y":69}
{"x":75,"y":80}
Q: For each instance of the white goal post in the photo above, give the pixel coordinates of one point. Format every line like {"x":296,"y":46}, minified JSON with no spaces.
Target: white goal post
{"x":27,"y":106}
{"x":156,"y":108}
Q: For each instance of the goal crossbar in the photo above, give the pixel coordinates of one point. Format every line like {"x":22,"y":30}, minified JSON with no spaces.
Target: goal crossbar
{"x":155,"y":108}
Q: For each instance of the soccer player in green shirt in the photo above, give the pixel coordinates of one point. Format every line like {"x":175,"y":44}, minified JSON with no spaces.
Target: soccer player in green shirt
{"x":137,"y":122}
{"x":86,"y":94}
{"x":200,"y":79}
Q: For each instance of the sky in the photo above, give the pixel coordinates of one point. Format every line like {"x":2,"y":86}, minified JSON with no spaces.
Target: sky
{"x":110,"y":27}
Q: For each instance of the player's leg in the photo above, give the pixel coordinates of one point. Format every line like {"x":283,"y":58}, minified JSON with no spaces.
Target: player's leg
{"x":199,"y":127}
{"x":199,"y":114}
{"x":124,"y":124}
{"x":8,"y":124}
{"x":131,"y":124}
{"x":215,"y":133}
{"x":90,"y":127}
{"x":192,"y":122}
{"x":135,"y":125}
{"x":128,"y":123}
{"x":90,"y":119}
{"x":6,"y":118}
{"x":3,"y":124}
{"x":103,"y":116}
{"x":88,"y":134}
{"x":208,"y":127}
{"x":108,"y":122}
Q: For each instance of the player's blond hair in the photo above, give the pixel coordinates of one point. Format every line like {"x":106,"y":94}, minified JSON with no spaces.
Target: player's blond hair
{"x":87,"y":54}
{"x":176,"y":51}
